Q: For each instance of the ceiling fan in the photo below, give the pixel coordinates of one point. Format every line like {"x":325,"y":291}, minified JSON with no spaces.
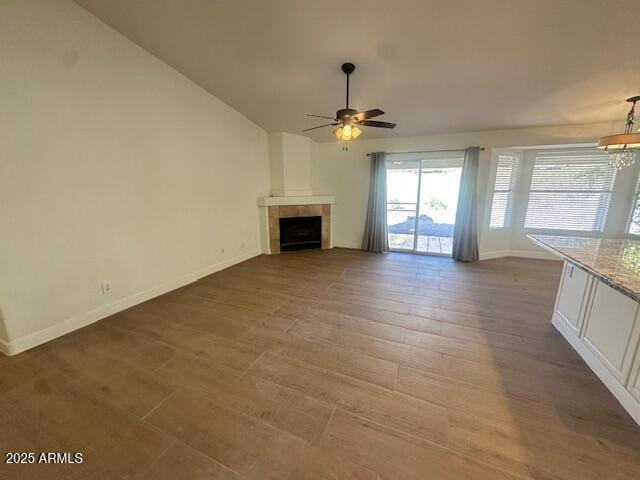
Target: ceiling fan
{"x":348,"y":119}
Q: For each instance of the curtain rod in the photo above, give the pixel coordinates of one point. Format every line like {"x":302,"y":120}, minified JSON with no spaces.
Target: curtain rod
{"x":428,"y":151}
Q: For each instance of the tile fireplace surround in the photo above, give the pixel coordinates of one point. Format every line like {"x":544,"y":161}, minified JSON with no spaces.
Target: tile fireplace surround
{"x":287,"y":207}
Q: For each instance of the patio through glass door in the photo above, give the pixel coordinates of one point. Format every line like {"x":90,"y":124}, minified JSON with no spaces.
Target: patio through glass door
{"x":422,"y":197}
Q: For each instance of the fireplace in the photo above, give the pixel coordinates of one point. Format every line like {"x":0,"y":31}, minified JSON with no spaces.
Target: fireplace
{"x":312,"y":214}
{"x":300,"y":233}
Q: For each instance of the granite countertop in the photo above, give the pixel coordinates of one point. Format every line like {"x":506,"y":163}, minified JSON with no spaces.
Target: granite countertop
{"x":615,"y":261}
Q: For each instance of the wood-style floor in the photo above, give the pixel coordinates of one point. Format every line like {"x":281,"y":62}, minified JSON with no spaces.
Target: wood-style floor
{"x":323,"y":366}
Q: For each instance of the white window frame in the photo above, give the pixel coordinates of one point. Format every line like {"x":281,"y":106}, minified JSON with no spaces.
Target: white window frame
{"x":515,"y":181}
{"x":526,"y":228}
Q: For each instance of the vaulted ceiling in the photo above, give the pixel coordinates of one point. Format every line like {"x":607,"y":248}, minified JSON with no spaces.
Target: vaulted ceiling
{"x":434,"y":66}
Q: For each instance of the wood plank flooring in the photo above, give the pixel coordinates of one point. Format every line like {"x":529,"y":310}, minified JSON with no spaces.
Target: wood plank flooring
{"x":324,"y":365}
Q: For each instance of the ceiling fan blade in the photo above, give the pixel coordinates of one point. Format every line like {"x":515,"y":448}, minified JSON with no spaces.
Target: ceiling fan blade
{"x":360,"y":116}
{"x":322,"y":116}
{"x":374,"y":123}
{"x":320,"y":126}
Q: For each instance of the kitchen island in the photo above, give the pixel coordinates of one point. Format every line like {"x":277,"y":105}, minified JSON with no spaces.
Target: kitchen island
{"x":597,"y":308}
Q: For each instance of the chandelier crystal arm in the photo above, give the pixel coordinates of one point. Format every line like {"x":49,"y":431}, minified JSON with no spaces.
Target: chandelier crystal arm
{"x":631,"y":117}
{"x":623,"y":147}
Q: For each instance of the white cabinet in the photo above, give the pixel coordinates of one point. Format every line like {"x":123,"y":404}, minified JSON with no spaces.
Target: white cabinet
{"x":634,"y":381}
{"x":603,"y":326}
{"x":612,"y":329}
{"x":570,"y":302}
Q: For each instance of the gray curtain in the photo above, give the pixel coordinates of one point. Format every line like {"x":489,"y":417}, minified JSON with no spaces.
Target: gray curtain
{"x":465,"y":231}
{"x":375,"y":231}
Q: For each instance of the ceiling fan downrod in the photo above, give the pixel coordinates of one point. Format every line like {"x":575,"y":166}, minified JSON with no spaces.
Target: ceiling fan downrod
{"x":348,"y":69}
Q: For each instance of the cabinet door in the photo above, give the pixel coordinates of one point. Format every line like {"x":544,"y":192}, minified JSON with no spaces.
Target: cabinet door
{"x":572,"y":295}
{"x":611,"y":329}
{"x":634,"y":382}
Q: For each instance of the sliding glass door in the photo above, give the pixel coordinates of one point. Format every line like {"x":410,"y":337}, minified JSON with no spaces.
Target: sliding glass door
{"x":422,"y":196}
{"x":403,"y":185}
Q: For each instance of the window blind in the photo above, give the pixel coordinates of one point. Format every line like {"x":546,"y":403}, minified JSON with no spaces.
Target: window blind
{"x":504,"y":190}
{"x":570,"y":190}
{"x":634,"y":221}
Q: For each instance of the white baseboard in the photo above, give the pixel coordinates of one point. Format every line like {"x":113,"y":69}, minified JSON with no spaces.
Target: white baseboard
{"x":4,"y":347}
{"x":630,"y":404}
{"x":47,"y":334}
{"x":352,"y":245}
{"x":540,"y":255}
{"x":494,"y":254}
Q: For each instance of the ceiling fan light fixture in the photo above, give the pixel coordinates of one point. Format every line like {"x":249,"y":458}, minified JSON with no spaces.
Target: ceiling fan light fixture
{"x":347,"y":133}
{"x":623,"y":147}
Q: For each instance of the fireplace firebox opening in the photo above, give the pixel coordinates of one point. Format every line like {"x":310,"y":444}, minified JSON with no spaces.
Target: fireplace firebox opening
{"x":300,"y":233}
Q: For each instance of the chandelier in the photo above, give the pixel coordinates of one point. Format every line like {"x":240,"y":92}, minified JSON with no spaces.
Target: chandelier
{"x":623,"y":146}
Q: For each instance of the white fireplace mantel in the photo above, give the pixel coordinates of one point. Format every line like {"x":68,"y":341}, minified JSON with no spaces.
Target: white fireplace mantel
{"x":300,"y":200}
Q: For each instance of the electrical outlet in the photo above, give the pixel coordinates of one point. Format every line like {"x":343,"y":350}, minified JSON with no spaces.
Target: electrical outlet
{"x":222,"y":251}
{"x":241,"y":244}
{"x":105,"y":287}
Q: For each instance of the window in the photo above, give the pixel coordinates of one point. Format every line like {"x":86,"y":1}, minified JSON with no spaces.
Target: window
{"x":570,"y":190}
{"x":504,"y":190}
{"x":634,"y":221}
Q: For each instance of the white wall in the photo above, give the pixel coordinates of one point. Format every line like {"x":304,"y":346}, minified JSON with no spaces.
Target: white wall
{"x":113,"y":166}
{"x":290,"y":157}
{"x":346,"y":174}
